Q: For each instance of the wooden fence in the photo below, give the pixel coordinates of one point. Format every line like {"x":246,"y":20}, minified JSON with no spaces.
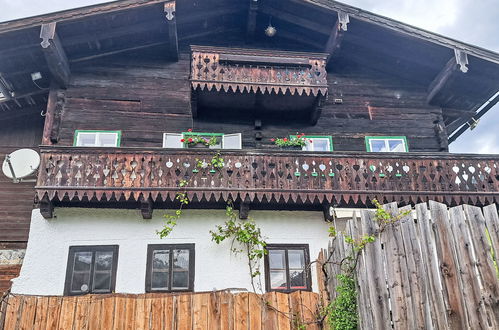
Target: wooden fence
{"x":434,"y":269}
{"x":213,"y":310}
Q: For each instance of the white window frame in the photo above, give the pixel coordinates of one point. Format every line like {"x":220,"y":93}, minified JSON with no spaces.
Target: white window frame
{"x":386,"y":140}
{"x":178,"y":136}
{"x":97,"y":134}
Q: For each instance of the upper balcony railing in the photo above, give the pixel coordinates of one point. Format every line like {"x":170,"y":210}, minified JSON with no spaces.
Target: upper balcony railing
{"x":286,"y":177}
{"x":250,"y":70}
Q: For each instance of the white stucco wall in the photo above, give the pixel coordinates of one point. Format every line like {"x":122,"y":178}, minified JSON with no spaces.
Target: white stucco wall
{"x":44,"y":268}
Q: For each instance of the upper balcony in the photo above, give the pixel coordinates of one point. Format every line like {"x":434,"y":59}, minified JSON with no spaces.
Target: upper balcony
{"x":258,"y":81}
{"x":76,"y":174}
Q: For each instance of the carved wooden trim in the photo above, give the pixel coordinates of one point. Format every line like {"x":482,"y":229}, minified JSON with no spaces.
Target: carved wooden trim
{"x":46,"y":208}
{"x":170,"y":14}
{"x":146,"y":207}
{"x":245,"y":70}
{"x":299,"y":177}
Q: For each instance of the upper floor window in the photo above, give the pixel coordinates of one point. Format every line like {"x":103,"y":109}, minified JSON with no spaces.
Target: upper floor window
{"x":317,"y":142}
{"x":91,"y":269}
{"x":97,"y":138}
{"x":170,"y":267}
{"x":203,"y":140}
{"x":386,"y":144}
{"x":286,"y":267}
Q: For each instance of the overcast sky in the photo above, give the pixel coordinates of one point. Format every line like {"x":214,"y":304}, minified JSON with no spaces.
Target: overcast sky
{"x":471,"y":21}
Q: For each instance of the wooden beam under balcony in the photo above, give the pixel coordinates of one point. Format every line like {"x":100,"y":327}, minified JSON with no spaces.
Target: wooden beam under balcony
{"x":455,"y":67}
{"x":251,"y":23}
{"x":55,"y":55}
{"x":170,"y":14}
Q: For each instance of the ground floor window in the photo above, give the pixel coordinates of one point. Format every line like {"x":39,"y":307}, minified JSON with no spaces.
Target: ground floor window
{"x":287,"y":267}
{"x":170,"y":267}
{"x":91,"y":269}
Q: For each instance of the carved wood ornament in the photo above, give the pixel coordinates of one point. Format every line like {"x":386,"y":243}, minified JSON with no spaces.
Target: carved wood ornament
{"x":214,"y":68}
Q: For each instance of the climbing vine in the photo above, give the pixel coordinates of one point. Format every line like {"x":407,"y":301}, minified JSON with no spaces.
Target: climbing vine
{"x":341,"y":313}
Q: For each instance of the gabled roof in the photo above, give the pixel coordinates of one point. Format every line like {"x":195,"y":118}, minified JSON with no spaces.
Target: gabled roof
{"x":352,"y":36}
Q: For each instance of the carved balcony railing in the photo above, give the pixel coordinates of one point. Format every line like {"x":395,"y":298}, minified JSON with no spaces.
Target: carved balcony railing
{"x":103,"y":174}
{"x":249,"y":70}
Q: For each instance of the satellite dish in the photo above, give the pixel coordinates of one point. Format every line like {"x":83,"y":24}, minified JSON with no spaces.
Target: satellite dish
{"x":21,"y":164}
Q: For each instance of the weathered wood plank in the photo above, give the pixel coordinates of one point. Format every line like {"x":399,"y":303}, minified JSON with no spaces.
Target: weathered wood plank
{"x":28,"y":313}
{"x":226,"y":311}
{"x":81,"y":313}
{"x":448,"y":267}
{"x":255,"y":307}
{"x":53,"y":312}
{"x":437,"y":305}
{"x":200,"y":311}
{"x":42,"y":305}
{"x":108,"y":312}
{"x":184,"y":315}
{"x":270,"y":314}
{"x":119,"y":312}
{"x":492,"y":223}
{"x":94,"y":313}
{"x":14,"y":311}
{"x":284,"y":318}
{"x":67,"y":316}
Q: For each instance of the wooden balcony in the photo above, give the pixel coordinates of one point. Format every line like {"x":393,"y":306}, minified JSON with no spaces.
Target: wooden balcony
{"x":252,"y":176}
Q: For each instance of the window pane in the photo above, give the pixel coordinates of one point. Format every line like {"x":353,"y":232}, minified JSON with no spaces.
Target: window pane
{"x":103,"y":260}
{"x":319,"y":144}
{"x":161,"y":259}
{"x":278,"y":279}
{"x":82,"y":261}
{"x":159,"y":280}
{"x":180,"y":280}
{"x":180,"y":259}
{"x":296,"y":259}
{"x":378,"y":145}
{"x":86,"y":139}
{"x":297,"y":279}
{"x":108,"y":139}
{"x":80,"y":281}
{"x":277,"y":259}
{"x":102,"y":281}
{"x":396,"y":145}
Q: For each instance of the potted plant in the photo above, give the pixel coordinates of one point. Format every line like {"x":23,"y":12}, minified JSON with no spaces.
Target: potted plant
{"x":198,"y":141}
{"x":293,"y":143}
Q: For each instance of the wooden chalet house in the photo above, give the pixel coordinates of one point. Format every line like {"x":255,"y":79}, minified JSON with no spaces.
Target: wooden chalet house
{"x":109,"y":95}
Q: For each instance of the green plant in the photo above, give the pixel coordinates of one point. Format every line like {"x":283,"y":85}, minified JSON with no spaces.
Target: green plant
{"x":171,"y":219}
{"x":295,"y":141}
{"x":195,"y":139}
{"x":248,"y":237}
{"x":342,"y":312}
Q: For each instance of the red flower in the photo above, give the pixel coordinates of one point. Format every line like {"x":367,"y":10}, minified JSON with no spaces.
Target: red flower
{"x":285,"y":139}
{"x":302,"y":134}
{"x":189,"y":130}
{"x":182,"y":140}
{"x":310,"y":141}
{"x":272,"y":140}
{"x":190,"y":140}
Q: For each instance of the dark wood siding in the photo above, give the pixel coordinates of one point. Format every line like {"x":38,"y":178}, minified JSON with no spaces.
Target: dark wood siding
{"x":146,"y":98}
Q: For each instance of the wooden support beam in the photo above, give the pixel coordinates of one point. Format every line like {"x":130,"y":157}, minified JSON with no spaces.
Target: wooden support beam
{"x":455,"y":66}
{"x":244,"y":209}
{"x":316,"y":110}
{"x":328,"y":211}
{"x":251,"y":24}
{"x":170,"y":14}
{"x":46,"y":208}
{"x":146,"y":207}
{"x":333,"y":43}
{"x":55,"y":56}
{"x":4,"y":90}
{"x":297,"y":20}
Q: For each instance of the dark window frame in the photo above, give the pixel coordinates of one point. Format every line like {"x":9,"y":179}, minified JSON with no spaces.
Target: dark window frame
{"x":286,"y":247}
{"x":93,"y":249}
{"x":192,"y":264}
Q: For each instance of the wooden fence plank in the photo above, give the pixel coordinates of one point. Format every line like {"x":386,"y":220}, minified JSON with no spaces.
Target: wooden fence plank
{"x":108,"y":312}
{"x":467,"y":275}
{"x":142,"y":312}
{"x":226,"y":310}
{"x":414,"y":270}
{"x":200,"y":311}
{"x":283,"y":316}
{"x":42,"y":305}
{"x":28,"y":313}
{"x":131,"y":306}
{"x":485,"y":266}
{"x":270,"y":314}
{"x":66,"y":318}
{"x":255,"y":307}
{"x":81,"y":313}
{"x":14,"y":310}
{"x":492,"y":223}
{"x":157,"y":312}
{"x":119,"y":312}
{"x":431,"y":266}
{"x":184,"y":315}
{"x":394,"y":253}
{"x":241,"y":317}
{"x":94,"y":313}
{"x":53,"y":312}
{"x":214,"y":311}
{"x":375,"y":275}
{"x":448,"y":267}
